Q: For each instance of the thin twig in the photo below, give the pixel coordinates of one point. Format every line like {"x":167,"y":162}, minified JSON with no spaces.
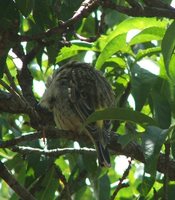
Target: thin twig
{"x":131,"y":150}
{"x":121,"y":184}
{"x":9,"y":88}
{"x":50,"y":132}
{"x":82,"y":38}
{"x":11,"y":80}
{"x":53,"y":152}
{"x":86,"y":7}
{"x":13,"y":92}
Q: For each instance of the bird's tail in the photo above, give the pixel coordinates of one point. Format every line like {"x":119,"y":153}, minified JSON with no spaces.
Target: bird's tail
{"x":103,"y":155}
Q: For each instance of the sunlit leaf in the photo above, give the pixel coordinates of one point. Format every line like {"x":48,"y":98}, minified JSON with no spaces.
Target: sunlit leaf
{"x":68,"y":52}
{"x":149,"y":34}
{"x":147,"y":52}
{"x":116,"y":44}
{"x":168,"y":44}
{"x":137,"y":23}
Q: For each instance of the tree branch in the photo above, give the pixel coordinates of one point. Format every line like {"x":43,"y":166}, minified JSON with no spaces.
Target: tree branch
{"x":10,"y":89}
{"x":13,"y":183}
{"x":157,"y":3}
{"x":10,"y":103}
{"x":7,"y":102}
{"x":132,"y":150}
{"x":86,"y":7}
{"x":136,"y":10}
{"x":25,"y":80}
{"x":142,"y":11}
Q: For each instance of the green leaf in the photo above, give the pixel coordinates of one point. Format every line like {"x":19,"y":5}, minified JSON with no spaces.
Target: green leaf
{"x":104,"y":188}
{"x":147,"y":52}
{"x":49,"y":185}
{"x":87,"y":26}
{"x":63,"y":166}
{"x":116,"y":40}
{"x":145,"y":186}
{"x":90,"y":163}
{"x":116,"y":61}
{"x":9,"y":15}
{"x":25,"y":6}
{"x":42,"y":14}
{"x":112,"y":17}
{"x":170,"y":191}
{"x":75,"y":175}
{"x":84,"y":192}
{"x":40,"y":166}
{"x":52,"y":51}
{"x":68,"y":52}
{"x":141,"y":80}
{"x":138,"y":23}
{"x":172,"y":68}
{"x":168,"y":44}
{"x":161,"y":106}
{"x":147,"y":35}
{"x":113,"y":46}
{"x":122,"y":114}
{"x":152,"y":141}
{"x":126,"y":139}
{"x":69,"y":7}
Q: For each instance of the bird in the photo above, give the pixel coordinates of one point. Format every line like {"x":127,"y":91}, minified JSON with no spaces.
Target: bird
{"x":73,"y":93}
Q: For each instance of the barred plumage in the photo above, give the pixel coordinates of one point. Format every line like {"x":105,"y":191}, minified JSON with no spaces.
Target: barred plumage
{"x":74,"y":92}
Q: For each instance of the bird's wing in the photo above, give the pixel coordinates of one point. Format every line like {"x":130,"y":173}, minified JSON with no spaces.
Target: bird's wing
{"x":89,"y":91}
